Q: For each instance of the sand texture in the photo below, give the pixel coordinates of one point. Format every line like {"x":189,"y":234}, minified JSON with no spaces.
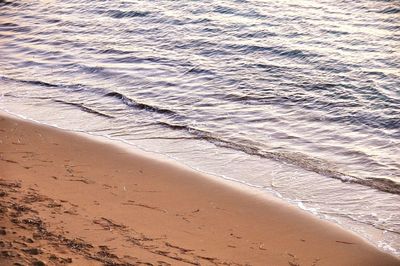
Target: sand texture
{"x":66,"y":199}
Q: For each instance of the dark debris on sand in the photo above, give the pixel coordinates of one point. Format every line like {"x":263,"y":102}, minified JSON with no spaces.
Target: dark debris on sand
{"x":26,"y":240}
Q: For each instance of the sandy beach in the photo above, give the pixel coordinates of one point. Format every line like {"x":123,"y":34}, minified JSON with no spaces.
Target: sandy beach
{"x":69,"y":199}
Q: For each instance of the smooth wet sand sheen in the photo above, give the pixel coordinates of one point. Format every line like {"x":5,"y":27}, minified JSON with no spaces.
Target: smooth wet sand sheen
{"x":70,"y":199}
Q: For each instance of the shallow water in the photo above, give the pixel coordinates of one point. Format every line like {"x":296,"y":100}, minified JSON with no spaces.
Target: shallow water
{"x":300,"y":99}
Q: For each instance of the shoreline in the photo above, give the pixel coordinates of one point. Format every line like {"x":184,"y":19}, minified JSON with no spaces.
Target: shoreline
{"x":83,"y":201}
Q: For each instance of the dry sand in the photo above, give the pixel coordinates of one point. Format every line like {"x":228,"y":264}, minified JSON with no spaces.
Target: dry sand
{"x":69,"y":199}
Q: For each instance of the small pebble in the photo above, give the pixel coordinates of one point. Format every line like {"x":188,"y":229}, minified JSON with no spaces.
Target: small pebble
{"x":38,"y":263}
{"x":29,"y":240}
{"x":32,"y":251}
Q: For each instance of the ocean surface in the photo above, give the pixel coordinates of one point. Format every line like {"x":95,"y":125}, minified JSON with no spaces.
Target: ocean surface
{"x":299,"y":99}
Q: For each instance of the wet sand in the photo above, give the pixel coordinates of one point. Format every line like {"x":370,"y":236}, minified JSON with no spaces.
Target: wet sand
{"x":69,"y":199}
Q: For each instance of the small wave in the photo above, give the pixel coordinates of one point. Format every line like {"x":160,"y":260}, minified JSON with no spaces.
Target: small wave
{"x":135,"y":59}
{"x":132,"y":103}
{"x":390,"y":10}
{"x":268,"y":67}
{"x":382,"y":184}
{"x":337,"y":32}
{"x":293,"y":53}
{"x":126,"y":14}
{"x":235,"y":97}
{"x":53,"y":21}
{"x":198,"y":70}
{"x":10,"y":94}
{"x":113,"y":51}
{"x":200,"y":21}
{"x":8,"y":3}
{"x":256,"y":35}
{"x":249,"y":48}
{"x":72,"y":87}
{"x":84,"y":108}
{"x":280,"y":51}
{"x":297,"y":159}
{"x":224,"y":10}
{"x":77,"y":87}
{"x":33,"y":82}
{"x":375,"y":121}
{"x":8,"y":24}
{"x":91,"y":69}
